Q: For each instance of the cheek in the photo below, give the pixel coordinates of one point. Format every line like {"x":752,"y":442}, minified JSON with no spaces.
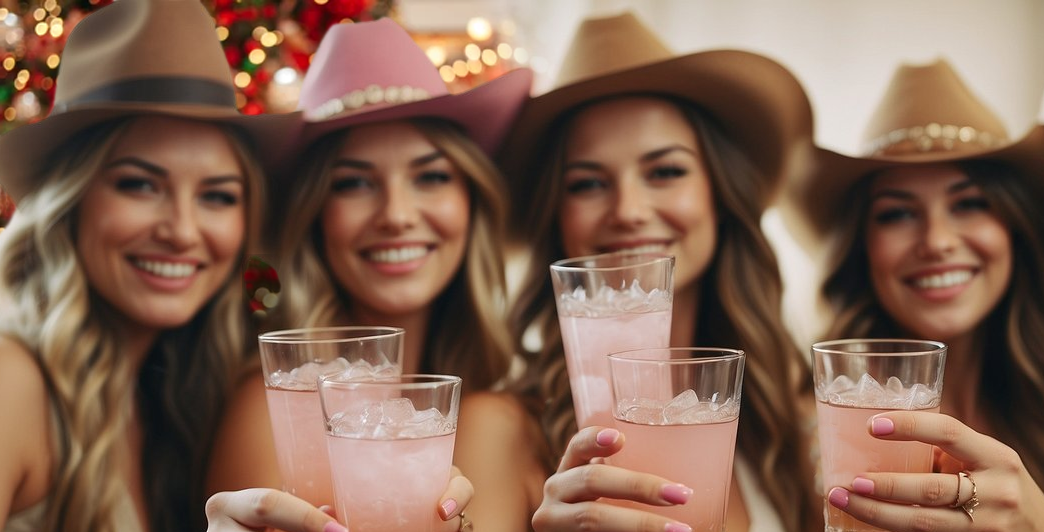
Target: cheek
{"x":450,"y":213}
{"x":342,"y":221}
{"x":228,"y":236}
{"x":579,"y":222}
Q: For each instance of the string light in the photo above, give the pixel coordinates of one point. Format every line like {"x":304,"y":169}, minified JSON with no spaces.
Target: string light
{"x":479,"y":29}
{"x":222,"y":33}
{"x":489,"y":57}
{"x":437,"y":55}
{"x":447,"y":74}
{"x":242,"y":80}
{"x":257,"y":56}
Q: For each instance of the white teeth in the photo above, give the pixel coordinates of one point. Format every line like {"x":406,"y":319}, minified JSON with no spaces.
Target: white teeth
{"x":172,"y":270}
{"x":943,"y":280}
{"x":394,"y":255}
{"x":646,"y":248}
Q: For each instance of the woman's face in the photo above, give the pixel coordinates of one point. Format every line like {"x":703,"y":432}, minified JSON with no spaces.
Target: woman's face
{"x":940,"y":258}
{"x":161,"y":225}
{"x":396,"y":222}
{"x":635,"y":179}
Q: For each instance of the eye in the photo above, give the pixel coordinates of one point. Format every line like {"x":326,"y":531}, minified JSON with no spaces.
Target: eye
{"x":350,"y":184}
{"x":585,"y":184}
{"x":667,"y":172}
{"x":136,"y":185}
{"x":221,"y":197}
{"x":974,"y":203}
{"x":892,"y":215}
{"x":434,"y":177}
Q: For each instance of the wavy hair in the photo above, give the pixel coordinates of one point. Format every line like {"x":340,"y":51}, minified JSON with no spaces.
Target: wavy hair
{"x":179,"y":393}
{"x":738,"y":307}
{"x":466,"y":333}
{"x":1013,"y":330}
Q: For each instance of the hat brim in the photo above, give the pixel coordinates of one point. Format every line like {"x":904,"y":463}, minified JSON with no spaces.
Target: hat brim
{"x":811,"y":204}
{"x":758,"y":102}
{"x":24,"y":149}
{"x":485,"y":112}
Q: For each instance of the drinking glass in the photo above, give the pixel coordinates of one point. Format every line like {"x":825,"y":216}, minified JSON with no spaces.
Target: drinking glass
{"x":856,"y":379}
{"x":391,"y":448}
{"x":679,"y":410}
{"x":607,"y":303}
{"x":292,"y":362}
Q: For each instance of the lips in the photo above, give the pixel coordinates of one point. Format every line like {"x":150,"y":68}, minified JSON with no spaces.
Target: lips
{"x":942,"y":280}
{"x":396,"y":255}
{"x":166,"y":269}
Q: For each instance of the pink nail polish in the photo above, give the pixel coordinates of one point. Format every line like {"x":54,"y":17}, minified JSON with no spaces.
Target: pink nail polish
{"x":447,"y":507}
{"x":607,"y":437}
{"x":863,"y":486}
{"x":675,"y":493}
{"x":839,"y":498}
{"x":882,"y":426}
{"x":334,"y":526}
{"x":677,"y":527}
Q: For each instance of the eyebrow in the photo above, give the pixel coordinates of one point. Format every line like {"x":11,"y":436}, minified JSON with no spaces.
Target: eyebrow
{"x":163,"y":173}
{"x":345,"y":162}
{"x":904,"y":195}
{"x":646,"y":157}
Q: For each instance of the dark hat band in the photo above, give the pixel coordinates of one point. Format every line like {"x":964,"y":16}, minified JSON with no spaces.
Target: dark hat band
{"x":157,"y":90}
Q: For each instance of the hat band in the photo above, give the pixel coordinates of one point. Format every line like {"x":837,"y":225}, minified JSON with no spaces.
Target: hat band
{"x":931,"y":137}
{"x":371,"y":95}
{"x":157,"y":90}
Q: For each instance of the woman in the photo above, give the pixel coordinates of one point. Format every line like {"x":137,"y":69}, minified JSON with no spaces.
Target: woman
{"x":122,"y":326}
{"x":395,"y":219}
{"x":939,"y":237}
{"x":641,"y":149}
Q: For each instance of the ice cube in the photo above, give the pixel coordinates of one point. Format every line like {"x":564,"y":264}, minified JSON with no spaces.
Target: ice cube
{"x":894,"y":387}
{"x":398,"y":411}
{"x":922,"y":397}
{"x":677,"y":406}
{"x":641,"y":411}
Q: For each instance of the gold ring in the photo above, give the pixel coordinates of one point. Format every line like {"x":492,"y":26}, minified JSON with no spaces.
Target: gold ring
{"x":973,"y":502}
{"x":466,"y":526}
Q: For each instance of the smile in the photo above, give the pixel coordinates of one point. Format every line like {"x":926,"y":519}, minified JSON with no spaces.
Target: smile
{"x":943,"y":280}
{"x":170,"y":270}
{"x":397,"y":255}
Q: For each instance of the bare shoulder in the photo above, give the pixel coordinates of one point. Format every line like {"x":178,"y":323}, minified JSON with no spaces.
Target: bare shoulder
{"x":21,"y":382}
{"x":25,"y":454}
{"x":497,"y":413}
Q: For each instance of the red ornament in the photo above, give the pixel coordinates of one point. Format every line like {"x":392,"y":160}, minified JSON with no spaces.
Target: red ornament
{"x":234,"y":55}
{"x":252,"y":108}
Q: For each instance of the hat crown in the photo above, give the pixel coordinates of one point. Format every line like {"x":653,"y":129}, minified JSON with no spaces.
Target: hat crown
{"x":605,"y":45}
{"x":376,"y":62}
{"x":928,"y":108}
{"x":133,"y":40}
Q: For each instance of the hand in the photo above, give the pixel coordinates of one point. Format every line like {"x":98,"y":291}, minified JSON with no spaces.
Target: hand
{"x":571,"y":494}
{"x":454,"y":500}
{"x":258,"y":509}
{"x":1008,"y":497}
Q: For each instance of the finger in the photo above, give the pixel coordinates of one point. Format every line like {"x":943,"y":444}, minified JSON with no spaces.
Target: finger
{"x":952,"y":436}
{"x":590,"y":482}
{"x":925,"y":489}
{"x":602,"y":517}
{"x":897,"y":517}
{"x":456,"y":497}
{"x":589,"y":443}
{"x":262,"y":507}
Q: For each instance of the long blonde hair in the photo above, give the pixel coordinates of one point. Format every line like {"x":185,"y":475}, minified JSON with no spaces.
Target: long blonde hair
{"x":49,"y":306}
{"x":1013,"y":331}
{"x":739,"y":307}
{"x":480,"y":352}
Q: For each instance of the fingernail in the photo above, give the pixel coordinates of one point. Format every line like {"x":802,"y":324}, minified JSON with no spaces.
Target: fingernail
{"x":675,"y":493}
{"x":677,"y":527}
{"x":334,"y":526}
{"x":882,"y":426}
{"x":447,"y":507}
{"x":863,"y":486}
{"x":607,"y":437}
{"x":839,"y":498}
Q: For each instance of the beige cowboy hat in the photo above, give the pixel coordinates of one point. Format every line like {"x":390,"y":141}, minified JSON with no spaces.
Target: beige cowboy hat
{"x":137,"y":57}
{"x":759,"y":102}
{"x":927,"y":115}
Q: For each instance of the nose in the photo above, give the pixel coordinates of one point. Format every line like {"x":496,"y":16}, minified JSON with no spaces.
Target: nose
{"x":179,"y":225}
{"x":632,"y":204}
{"x":400,"y":210}
{"x":940,"y":236}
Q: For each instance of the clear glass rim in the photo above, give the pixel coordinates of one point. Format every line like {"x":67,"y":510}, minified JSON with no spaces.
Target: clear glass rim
{"x":414,"y":381}
{"x":831,"y":346}
{"x":310,"y":335}
{"x":726,"y":354}
{"x":564,"y":265}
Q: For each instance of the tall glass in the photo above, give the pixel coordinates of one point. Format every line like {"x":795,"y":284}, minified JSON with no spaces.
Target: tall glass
{"x":859,"y":378}
{"x":391,"y":448}
{"x":293,"y":361}
{"x":608,"y":303}
{"x":679,"y":410}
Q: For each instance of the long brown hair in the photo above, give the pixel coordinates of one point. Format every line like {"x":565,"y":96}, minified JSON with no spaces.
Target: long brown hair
{"x":739,"y":307}
{"x":467,"y":335}
{"x":1013,"y":331}
{"x":181,"y":389}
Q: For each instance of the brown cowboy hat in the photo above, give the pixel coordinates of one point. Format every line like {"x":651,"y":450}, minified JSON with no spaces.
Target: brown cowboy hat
{"x":130,"y":58}
{"x":371,"y":72}
{"x":928,"y":115}
{"x":759,"y":102}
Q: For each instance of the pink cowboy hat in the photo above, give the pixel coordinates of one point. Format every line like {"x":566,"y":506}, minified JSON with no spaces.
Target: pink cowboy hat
{"x":374,"y":72}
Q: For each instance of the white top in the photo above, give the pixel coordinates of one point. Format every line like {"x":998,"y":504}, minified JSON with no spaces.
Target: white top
{"x":762,"y":515}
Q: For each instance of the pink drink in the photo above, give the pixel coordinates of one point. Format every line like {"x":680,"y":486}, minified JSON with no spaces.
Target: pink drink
{"x":849,"y":451}
{"x":297,"y":428}
{"x":587,"y":342}
{"x":390,"y":485}
{"x":699,"y":456}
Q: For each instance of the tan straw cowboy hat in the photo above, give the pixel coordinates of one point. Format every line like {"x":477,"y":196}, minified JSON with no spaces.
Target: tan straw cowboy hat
{"x":759,"y":103}
{"x":137,"y":57}
{"x":927,"y":115}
